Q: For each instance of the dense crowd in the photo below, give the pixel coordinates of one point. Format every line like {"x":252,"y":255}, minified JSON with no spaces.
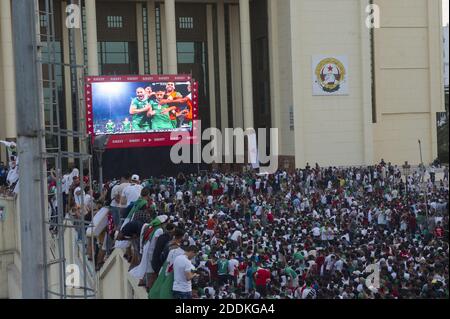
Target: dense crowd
{"x":332,"y":233}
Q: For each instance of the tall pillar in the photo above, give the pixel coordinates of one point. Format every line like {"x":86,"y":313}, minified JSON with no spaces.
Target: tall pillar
{"x":277,"y":113}
{"x":222,"y":65}
{"x":140,"y":37}
{"x":211,"y":73}
{"x":171,"y":30}
{"x":236,"y":67}
{"x":246,"y":56}
{"x":9,"y":92}
{"x":151,"y":23}
{"x":164,"y":51}
{"x":91,"y":37}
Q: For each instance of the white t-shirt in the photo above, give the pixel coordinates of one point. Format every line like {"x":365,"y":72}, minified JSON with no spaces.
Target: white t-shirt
{"x":182,"y":265}
{"x":316,"y":231}
{"x":173,"y":254}
{"x":132,"y":193}
{"x":179,"y":195}
{"x":236,"y":235}
{"x":232,"y":264}
{"x":65,"y":184}
{"x":117,"y":190}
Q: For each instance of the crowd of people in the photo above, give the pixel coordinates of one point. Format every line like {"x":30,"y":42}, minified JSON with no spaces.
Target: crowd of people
{"x":325,"y":233}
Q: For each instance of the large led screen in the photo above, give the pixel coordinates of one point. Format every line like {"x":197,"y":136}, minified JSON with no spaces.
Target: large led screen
{"x":141,"y":111}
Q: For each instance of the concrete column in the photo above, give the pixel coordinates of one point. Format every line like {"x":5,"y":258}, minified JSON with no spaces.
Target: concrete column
{"x":366,"y":75}
{"x":9,"y":92}
{"x":164,"y":50}
{"x":222,"y":64}
{"x":274,"y":65}
{"x":171,"y":30}
{"x":236,"y":67}
{"x":67,"y":85}
{"x":246,"y":56}
{"x":211,"y":73}
{"x":140,"y":36}
{"x":297,"y":51}
{"x":151,"y":22}
{"x":91,"y":37}
{"x":32,"y":165}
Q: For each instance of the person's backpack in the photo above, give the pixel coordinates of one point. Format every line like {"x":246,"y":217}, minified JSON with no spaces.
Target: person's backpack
{"x":165,"y":253}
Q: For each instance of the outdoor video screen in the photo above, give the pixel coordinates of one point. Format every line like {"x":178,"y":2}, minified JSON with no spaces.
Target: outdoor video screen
{"x":139,"y":111}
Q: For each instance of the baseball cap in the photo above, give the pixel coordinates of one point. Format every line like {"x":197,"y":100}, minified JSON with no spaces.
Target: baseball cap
{"x":135,"y":178}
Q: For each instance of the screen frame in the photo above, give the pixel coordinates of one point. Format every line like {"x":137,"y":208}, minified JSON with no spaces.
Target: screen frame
{"x":141,"y":140}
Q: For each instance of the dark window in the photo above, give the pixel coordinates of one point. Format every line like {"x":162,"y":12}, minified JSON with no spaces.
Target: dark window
{"x":114,"y":52}
{"x":43,"y":20}
{"x":146,"y":44}
{"x":114,"y":22}
{"x":186,"y":52}
{"x":118,"y":57}
{"x":158,"y":39}
{"x":186,"y":22}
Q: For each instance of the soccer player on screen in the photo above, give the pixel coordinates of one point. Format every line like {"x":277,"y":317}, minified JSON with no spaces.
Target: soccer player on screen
{"x":173,"y":95}
{"x":188,"y":113}
{"x":126,"y":125}
{"x":149,"y":92}
{"x":139,"y":108}
{"x":110,"y":126}
{"x":160,"y":113}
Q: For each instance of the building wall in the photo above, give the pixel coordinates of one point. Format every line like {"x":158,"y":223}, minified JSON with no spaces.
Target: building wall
{"x":2,"y":111}
{"x":329,"y":130}
{"x":409,"y":84}
{"x":446,"y":56}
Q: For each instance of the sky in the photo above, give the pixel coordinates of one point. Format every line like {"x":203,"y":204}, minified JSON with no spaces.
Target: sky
{"x":445,"y":11}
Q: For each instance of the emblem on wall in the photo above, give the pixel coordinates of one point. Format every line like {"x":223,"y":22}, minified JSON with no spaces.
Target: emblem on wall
{"x":330,"y":76}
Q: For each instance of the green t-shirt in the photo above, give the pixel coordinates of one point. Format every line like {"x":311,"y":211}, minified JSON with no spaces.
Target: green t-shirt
{"x":222,"y":267}
{"x":160,"y":121}
{"x":110,"y":127}
{"x":290,"y":272}
{"x":126,"y":126}
{"x":298,"y":256}
{"x":140,"y":121}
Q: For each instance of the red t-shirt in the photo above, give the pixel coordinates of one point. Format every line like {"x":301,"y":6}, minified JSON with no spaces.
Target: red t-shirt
{"x":439,"y":232}
{"x":262,"y":275}
{"x":320,"y":260}
{"x":213,"y":269}
{"x":211,"y":224}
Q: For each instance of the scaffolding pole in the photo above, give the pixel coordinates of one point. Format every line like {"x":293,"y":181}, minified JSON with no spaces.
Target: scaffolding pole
{"x":30,"y":146}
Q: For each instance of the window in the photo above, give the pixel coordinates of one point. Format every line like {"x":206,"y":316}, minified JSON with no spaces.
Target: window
{"x":186,"y":22}
{"x":43,"y":20}
{"x":114,"y":22}
{"x":146,"y":44}
{"x":114,"y":52}
{"x":186,"y":52}
{"x":158,"y":39}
